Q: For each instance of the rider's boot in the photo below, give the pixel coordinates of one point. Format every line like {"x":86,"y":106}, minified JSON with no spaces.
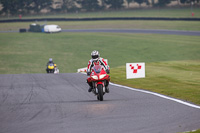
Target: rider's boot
{"x":107,"y":89}
{"x":90,"y":86}
{"x":90,"y":89}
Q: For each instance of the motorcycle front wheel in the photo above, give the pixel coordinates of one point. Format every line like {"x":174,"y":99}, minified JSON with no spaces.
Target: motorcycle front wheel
{"x":100,"y":92}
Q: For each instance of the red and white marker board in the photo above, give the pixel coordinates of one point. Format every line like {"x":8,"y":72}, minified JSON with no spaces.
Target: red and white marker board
{"x":135,"y":70}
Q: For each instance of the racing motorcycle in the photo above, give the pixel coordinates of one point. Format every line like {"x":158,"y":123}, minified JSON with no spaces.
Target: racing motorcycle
{"x":50,"y":68}
{"x":99,"y":77}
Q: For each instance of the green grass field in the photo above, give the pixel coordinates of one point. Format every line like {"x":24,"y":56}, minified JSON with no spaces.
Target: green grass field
{"x":198,"y":131}
{"x":172,"y":61}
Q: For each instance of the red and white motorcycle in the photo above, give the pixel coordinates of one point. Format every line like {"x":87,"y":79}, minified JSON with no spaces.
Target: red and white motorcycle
{"x":99,"y":78}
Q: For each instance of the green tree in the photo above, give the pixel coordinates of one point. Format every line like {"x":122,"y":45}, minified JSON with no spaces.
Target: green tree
{"x":38,"y":5}
{"x":140,"y":1}
{"x":69,"y":6}
{"x":129,"y":1}
{"x":12,"y":7}
{"x":162,"y":3}
{"x":152,"y":2}
{"x":183,"y":1}
{"x":189,"y":1}
{"x":115,"y":4}
{"x":89,"y":5}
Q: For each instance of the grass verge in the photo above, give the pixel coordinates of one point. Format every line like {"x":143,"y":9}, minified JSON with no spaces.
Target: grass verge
{"x":197,"y":131}
{"x":178,"y":79}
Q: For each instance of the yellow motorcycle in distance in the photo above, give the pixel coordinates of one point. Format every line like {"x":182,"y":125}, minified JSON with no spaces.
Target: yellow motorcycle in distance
{"x":50,"y":68}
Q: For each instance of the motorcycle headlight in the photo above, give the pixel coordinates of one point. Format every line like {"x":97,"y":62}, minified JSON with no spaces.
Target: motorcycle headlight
{"x":102,"y":76}
{"x":94,"y":77}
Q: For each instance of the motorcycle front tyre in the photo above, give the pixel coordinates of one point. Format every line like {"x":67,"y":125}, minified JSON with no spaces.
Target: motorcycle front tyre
{"x":100,"y":92}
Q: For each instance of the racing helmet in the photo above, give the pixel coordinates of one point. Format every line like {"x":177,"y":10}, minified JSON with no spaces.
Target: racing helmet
{"x":55,"y":65}
{"x":95,"y":55}
{"x":50,"y":59}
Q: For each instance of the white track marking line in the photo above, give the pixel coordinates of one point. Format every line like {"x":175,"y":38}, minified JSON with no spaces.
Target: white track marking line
{"x":159,"y":95}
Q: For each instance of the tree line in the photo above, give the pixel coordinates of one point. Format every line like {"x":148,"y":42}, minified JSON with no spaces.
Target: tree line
{"x":13,"y":7}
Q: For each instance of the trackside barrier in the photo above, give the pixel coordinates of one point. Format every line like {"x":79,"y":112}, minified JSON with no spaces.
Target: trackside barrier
{"x":99,"y":19}
{"x":82,"y":70}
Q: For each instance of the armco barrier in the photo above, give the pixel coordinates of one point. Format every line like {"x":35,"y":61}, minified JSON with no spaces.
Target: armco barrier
{"x":99,"y":19}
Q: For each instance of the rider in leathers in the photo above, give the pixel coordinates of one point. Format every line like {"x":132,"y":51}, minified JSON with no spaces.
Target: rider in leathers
{"x":96,"y":60}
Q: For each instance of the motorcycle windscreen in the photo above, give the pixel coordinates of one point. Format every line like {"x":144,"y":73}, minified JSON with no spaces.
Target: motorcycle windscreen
{"x":51,"y":64}
{"x":97,"y":68}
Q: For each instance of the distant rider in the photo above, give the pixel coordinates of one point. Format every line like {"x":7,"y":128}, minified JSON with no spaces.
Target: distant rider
{"x":96,"y":60}
{"x":50,"y":62}
{"x":56,"y":69}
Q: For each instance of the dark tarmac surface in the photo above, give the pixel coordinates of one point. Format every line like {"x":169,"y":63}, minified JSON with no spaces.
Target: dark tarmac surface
{"x":49,"y":103}
{"x":169,"y":32}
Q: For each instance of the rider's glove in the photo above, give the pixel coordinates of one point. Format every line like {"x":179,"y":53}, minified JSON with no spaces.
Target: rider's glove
{"x":88,"y":73}
{"x":107,"y":71}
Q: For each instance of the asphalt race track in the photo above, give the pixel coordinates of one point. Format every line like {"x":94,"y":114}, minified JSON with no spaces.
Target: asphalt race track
{"x":60,"y":103}
{"x":145,"y":31}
